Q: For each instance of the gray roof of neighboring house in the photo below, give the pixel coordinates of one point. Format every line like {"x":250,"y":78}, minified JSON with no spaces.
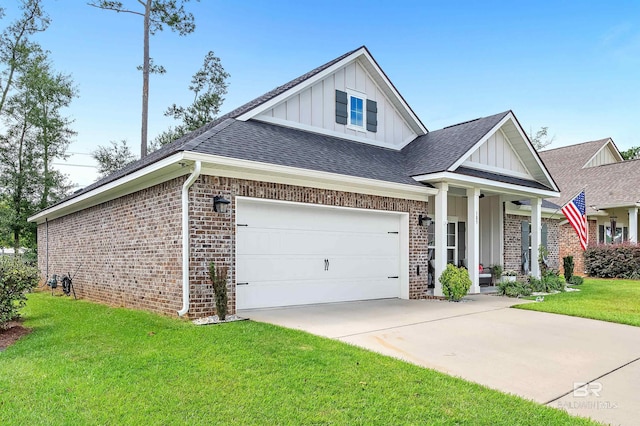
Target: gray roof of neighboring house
{"x":440,"y":149}
{"x":609,"y":184}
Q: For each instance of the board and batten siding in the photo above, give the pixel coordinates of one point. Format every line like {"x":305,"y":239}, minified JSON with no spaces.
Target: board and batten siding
{"x":499,"y":155}
{"x":603,"y":157}
{"x":316,"y":106}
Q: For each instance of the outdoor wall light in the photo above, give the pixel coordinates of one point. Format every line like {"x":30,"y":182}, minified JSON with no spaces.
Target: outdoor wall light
{"x":425,"y":221}
{"x":220,"y":204}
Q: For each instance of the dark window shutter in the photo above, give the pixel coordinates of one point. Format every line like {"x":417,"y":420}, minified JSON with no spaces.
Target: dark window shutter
{"x":341,"y":107}
{"x":524,"y":254}
{"x":625,"y":233}
{"x":372,"y":116}
{"x":543,"y":238}
{"x":601,"y":234}
{"x":461,"y":243}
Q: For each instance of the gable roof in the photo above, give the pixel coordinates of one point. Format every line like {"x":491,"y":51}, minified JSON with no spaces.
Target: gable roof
{"x":438,"y":150}
{"x":606,"y":185}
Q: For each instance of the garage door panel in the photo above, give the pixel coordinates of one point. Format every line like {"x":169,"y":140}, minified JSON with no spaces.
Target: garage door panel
{"x":290,"y":254}
{"x":314,"y":291}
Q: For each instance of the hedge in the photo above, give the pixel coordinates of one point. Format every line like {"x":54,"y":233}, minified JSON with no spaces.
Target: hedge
{"x":613,"y":261}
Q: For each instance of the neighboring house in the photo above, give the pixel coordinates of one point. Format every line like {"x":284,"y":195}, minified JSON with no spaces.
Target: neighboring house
{"x":611,"y":190}
{"x":332,"y":181}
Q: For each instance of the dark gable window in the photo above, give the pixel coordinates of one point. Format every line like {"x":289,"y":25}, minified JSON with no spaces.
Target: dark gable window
{"x":356,"y":111}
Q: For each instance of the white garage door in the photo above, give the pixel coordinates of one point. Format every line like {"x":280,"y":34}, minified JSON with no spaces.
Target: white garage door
{"x":295,"y":254}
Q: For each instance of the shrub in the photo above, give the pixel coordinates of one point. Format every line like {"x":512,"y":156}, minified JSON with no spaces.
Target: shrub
{"x":497,"y":272}
{"x":16,"y":280}
{"x":549,"y":282}
{"x":543,"y":259}
{"x":567,"y":262}
{"x":514,"y":288}
{"x":455,"y":282}
{"x":219,"y":278}
{"x":576,"y":280}
{"x":613,"y":261}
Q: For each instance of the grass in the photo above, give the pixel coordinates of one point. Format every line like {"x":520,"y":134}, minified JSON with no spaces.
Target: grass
{"x":606,"y":300}
{"x":90,"y":364}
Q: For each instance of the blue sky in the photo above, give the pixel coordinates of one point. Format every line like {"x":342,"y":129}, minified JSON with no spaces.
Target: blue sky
{"x":572,"y":66}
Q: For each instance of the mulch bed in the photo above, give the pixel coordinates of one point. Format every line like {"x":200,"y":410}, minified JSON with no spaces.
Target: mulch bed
{"x":12,"y":333}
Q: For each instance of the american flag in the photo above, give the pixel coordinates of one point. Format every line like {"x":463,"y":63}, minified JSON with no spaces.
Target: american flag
{"x":576,"y":213}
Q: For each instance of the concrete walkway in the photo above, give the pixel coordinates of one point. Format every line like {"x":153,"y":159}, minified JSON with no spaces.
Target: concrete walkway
{"x":535,"y":355}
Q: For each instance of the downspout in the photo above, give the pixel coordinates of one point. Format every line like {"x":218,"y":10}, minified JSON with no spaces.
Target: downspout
{"x":185,"y":237}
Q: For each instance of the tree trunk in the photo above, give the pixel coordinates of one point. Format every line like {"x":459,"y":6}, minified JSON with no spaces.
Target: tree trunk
{"x":145,"y":82}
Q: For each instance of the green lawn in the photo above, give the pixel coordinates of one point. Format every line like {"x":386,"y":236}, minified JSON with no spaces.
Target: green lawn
{"x":607,"y":300}
{"x":89,"y":364}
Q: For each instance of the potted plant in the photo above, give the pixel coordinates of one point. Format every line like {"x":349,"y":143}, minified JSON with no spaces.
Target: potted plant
{"x":509,"y":276}
{"x":455,"y":282}
{"x":496,"y":271}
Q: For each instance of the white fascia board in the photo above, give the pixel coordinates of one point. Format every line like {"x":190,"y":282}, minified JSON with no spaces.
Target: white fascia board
{"x":299,"y":87}
{"x":326,"y":132}
{"x":471,"y":182}
{"x":496,"y":128}
{"x":629,"y":204}
{"x":478,"y":144}
{"x":265,"y":172}
{"x":253,"y":113}
{"x":150,"y":175}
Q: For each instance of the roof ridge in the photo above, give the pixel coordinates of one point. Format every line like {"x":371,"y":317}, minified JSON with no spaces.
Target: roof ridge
{"x":475,"y":119}
{"x":575,"y":144}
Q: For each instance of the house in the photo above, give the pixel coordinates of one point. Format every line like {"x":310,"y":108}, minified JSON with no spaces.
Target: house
{"x":337,"y":191}
{"x":611,"y":193}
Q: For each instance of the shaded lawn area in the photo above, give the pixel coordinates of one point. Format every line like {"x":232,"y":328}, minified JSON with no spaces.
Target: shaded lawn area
{"x":89,"y":364}
{"x":607,"y":300}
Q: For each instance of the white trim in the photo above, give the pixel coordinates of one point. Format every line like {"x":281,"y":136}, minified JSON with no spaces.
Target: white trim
{"x":471,"y":181}
{"x":478,"y":144}
{"x":253,"y":170}
{"x":326,"y":132}
{"x":494,"y":169}
{"x":403,"y":249}
{"x":616,"y":153}
{"x":417,"y":124}
{"x":358,"y":95}
{"x":154,"y":173}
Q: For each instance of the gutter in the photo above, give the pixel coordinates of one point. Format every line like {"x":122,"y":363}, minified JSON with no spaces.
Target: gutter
{"x":185,"y":237}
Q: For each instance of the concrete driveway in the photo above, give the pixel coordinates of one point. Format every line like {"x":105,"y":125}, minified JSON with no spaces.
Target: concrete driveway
{"x":535,"y":355}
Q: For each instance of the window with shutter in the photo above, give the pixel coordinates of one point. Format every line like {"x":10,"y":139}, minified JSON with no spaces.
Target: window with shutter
{"x":356,"y":111}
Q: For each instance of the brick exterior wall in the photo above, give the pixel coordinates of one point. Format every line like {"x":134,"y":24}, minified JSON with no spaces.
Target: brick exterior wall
{"x":131,"y":248}
{"x":513,"y":242}
{"x":570,"y":246}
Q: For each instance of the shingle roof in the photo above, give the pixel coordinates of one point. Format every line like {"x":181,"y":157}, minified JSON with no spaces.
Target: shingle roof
{"x":273,"y":144}
{"x":500,"y":178}
{"x":440,"y":149}
{"x":565,"y":161}
{"x":615,"y":183}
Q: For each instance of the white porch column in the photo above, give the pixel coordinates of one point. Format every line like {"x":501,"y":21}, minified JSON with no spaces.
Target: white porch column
{"x":536,"y":235}
{"x":440,"y":235}
{"x":633,"y":225}
{"x":473,"y":237}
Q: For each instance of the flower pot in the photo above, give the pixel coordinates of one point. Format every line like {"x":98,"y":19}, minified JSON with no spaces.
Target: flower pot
{"x":508,"y":278}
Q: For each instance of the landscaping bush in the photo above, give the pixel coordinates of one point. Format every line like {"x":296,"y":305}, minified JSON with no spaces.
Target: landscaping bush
{"x":613,"y":261}
{"x":549,"y":282}
{"x":567,"y":262}
{"x":514,"y":288}
{"x":576,"y":280}
{"x":455,"y":282}
{"x":219,"y":278}
{"x":16,"y":280}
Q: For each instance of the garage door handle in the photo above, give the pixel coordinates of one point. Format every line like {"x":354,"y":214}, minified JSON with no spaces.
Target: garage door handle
{"x":242,"y":284}
{"x":395,"y":276}
{"x":326,"y":264}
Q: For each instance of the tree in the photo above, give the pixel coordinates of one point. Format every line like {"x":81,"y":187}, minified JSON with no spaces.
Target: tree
{"x":540,"y":139}
{"x":36,"y":133}
{"x":632,"y":153}
{"x":113,"y":158}
{"x":156,"y":15}
{"x":209,"y":86}
{"x":15,"y":46}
